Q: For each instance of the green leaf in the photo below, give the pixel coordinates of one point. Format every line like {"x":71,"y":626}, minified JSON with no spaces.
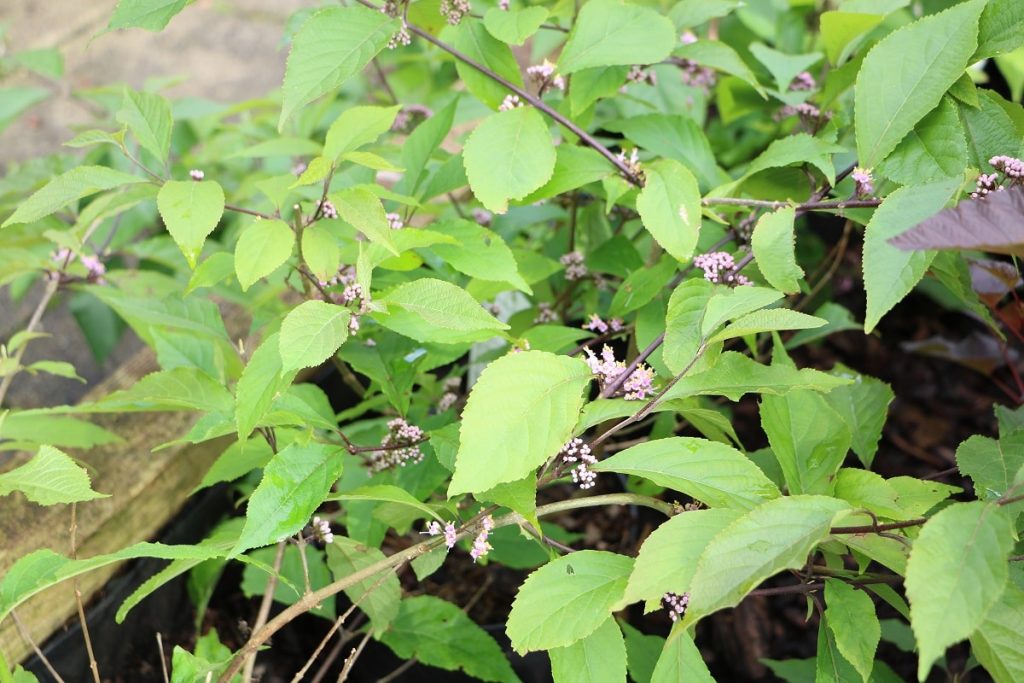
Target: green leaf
{"x":711,"y":472}
{"x":508,"y":156}
{"x":683,"y":323}
{"x":830,"y":665}
{"x":669,"y":205}
{"x":50,"y":477}
{"x":261,"y":382}
{"x":334,"y":44}
{"x":212,"y":270}
{"x":998,"y":643}
{"x":378,"y":596}
{"x":79,"y":182}
{"x":774,"y":536}
{"x":809,"y":439}
{"x":890,"y":273}
{"x":734,"y":375}
{"x":783,"y":67}
{"x":841,"y":31}
{"x":356,"y":127}
{"x":55,"y":430}
{"x":279,"y":147}
{"x":434,"y":310}
{"x":767,"y":320}
{"x":991,"y":465}
{"x":437,"y":633}
{"x":151,"y":15}
{"x":681,"y":661}
{"x":363,"y":209}
{"x":575,"y":167}
{"x":388,"y":494}
{"x":934,"y":149}
{"x":539,"y":396}
{"x":917,"y":497}
{"x":905,"y":75}
{"x":641,"y":287}
{"x":514,"y":26}
{"x":774,"y":246}
{"x":311,"y":333}
{"x":676,"y":137}
{"x":209,"y":660}
{"x":797,"y":149}
{"x":721,"y":57}
{"x":190,"y":210}
{"x":729,"y":303}
{"x":148,"y":117}
{"x":474,"y":41}
{"x":291,"y":578}
{"x":851,"y":617}
{"x":989,"y":130}
{"x":236,"y":461}
{"x":642,"y":652}
{"x":590,"y":85}
{"x":478,"y":252}
{"x":262,"y":248}
{"x":668,"y":557}
{"x":294,"y":484}
{"x":599,"y":657}
{"x":612,"y":32}
{"x":421,"y":144}
{"x":17,"y":99}
{"x":320,"y":249}
{"x":1001,"y":28}
{"x":863,"y":405}
{"x":57,"y":368}
{"x":181,"y":388}
{"x":566,"y":600}
{"x":956,"y":573}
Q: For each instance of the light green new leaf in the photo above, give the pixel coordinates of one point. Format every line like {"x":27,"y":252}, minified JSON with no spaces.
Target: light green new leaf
{"x":508,"y":156}
{"x":830,"y":666}
{"x":768,"y":320}
{"x":148,"y":117}
{"x":212,"y":270}
{"x":669,"y":206}
{"x":683,"y":323}
{"x":1001,"y":28}
{"x":79,"y":182}
{"x":890,"y":273}
{"x":999,"y":642}
{"x":863,"y":405}
{"x":773,"y":243}
{"x":295,"y":483}
{"x":514,"y":26}
{"x":840,"y":30}
{"x":320,"y":249}
{"x":378,"y":596}
{"x":191,"y":210}
{"x":50,"y":477}
{"x":432,"y":310}
{"x":991,"y":465}
{"x":261,"y":249}
{"x":668,"y":557}
{"x":711,"y":472}
{"x":478,"y":252}
{"x":612,"y":32}
{"x":316,"y":170}
{"x":151,"y":15}
{"x":311,"y":333}
{"x":851,"y":617}
{"x":916,"y":496}
{"x":598,"y":658}
{"x":181,"y":388}
{"x":356,"y":127}
{"x":729,"y":303}
{"x":575,"y":166}
{"x":566,"y":600}
{"x":936,"y":148}
{"x":905,"y":75}
{"x":539,"y":396}
{"x":438,"y":633}
{"x":56,"y":430}
{"x":285,"y":146}
{"x":774,"y":536}
{"x":681,"y":661}
{"x":474,"y":41}
{"x":809,"y":439}
{"x":333,"y":45}
{"x":956,"y":573}
{"x":362,"y":208}
{"x":261,"y":382}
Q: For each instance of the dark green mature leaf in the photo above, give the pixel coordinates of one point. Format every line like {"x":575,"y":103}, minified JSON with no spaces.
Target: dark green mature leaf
{"x":989,"y":130}
{"x":955,"y":575}
{"x":601,"y":656}
{"x":673,"y":137}
{"x":1001,"y":28}
{"x":439,"y":634}
{"x":295,"y":483}
{"x":642,"y":653}
{"x":850,"y":615}
{"x":311,"y":333}
{"x":612,"y":32}
{"x":191,"y":210}
{"x":783,"y":67}
{"x":291,"y":578}
{"x":566,"y":600}
{"x":539,"y":396}
{"x":906,"y":74}
{"x":477,"y":43}
{"x":49,"y":478}
{"x":669,"y":205}
{"x":809,"y":439}
{"x":711,"y":472}
{"x":378,"y":596}
{"x":863,"y":405}
{"x":334,"y":44}
{"x":79,"y":182}
{"x":934,"y":149}
{"x":151,"y":15}
{"x":508,"y":156}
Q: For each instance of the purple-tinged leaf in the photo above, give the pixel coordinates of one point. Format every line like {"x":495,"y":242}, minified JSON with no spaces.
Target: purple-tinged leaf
{"x":995,"y":224}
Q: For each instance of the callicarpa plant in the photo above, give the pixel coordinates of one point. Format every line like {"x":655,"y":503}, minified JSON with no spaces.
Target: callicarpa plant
{"x":594,"y":280}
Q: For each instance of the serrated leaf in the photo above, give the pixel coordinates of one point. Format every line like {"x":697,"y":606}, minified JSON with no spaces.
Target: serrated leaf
{"x":989,"y":130}
{"x":729,"y":303}
{"x":783,"y":67}
{"x":57,"y":368}
{"x":850,"y":615}
{"x":641,"y":287}
{"x":294,"y":484}
{"x":514,"y":26}
{"x":478,"y":252}
{"x":612,"y":32}
{"x":212,"y":270}
{"x":439,"y":634}
{"x":991,"y":464}
{"x":669,"y":205}
{"x":680,"y":660}
{"x":356,"y":127}
{"x":474,"y":41}
{"x":890,"y":274}
{"x":334,"y":44}
{"x":311,"y":333}
{"x":683,"y":322}
{"x":566,"y":600}
{"x":809,"y":439}
{"x":863,"y":405}
{"x":841,"y":31}
{"x":719,"y":56}
{"x":956,"y":573}
{"x":1001,"y":28}
{"x":434,"y":310}
{"x":151,"y":15}
{"x":773,"y":243}
{"x":774,"y":536}
{"x":934,"y":149}
{"x":599,"y":657}
{"x":575,"y":167}
{"x":830,"y":666}
{"x":148,"y":117}
{"x":768,"y":320}
{"x":508,"y":156}
{"x":378,"y":596}
{"x":362,"y":208}
{"x":190,"y":210}
{"x":262,"y":248}
{"x":797,"y":149}
{"x":711,"y":472}
{"x":540,"y":396}
{"x":48,"y":478}
{"x":55,"y":430}
{"x":79,"y":182}
{"x":320,"y":249}
{"x":182,"y":388}
{"x":998,"y":643}
{"x":262,"y":380}
{"x":905,"y":75}
{"x":673,"y":136}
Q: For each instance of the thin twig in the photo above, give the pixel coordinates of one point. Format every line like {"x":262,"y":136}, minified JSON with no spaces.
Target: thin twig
{"x":163,"y":657}
{"x":73,"y":532}
{"x":836,"y":205}
{"x":343,"y":640}
{"x":405,"y":666}
{"x":239,"y":209}
{"x":23,"y":632}
{"x":384,"y":80}
{"x":264,"y":610}
{"x":33,"y":323}
{"x":350,"y":661}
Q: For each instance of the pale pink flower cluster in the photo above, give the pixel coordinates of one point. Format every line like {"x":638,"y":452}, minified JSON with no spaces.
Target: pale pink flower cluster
{"x":697,"y":76}
{"x":544,"y":76}
{"x":322,"y":530}
{"x":400,"y":446}
{"x":676,"y":605}
{"x":480,"y":545}
{"x":638,"y":386}
{"x":482,"y":216}
{"x":596,"y":324}
{"x":688,"y":38}
{"x":299,"y":168}
{"x":718,"y":267}
{"x":196,"y":174}
{"x":803,"y":81}
{"x":327,"y":209}
{"x":401,"y":38}
{"x":631,"y":162}
{"x":863,"y":182}
{"x":408,"y":114}
{"x":510,"y":102}
{"x":808,"y":113}
{"x":454,"y":10}
{"x":545,"y":314}
{"x":450,"y":534}
{"x":356,"y":299}
{"x":395,"y":221}
{"x":93,"y":264}
{"x":638,"y":74}
{"x":1011,"y":167}
{"x":578,"y":454}
{"x":503,"y":5}
{"x":574,"y":266}
{"x":450,"y":395}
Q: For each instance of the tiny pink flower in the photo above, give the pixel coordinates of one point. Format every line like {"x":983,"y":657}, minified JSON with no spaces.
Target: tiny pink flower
{"x":196,"y":174}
